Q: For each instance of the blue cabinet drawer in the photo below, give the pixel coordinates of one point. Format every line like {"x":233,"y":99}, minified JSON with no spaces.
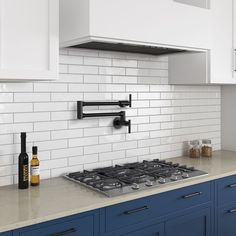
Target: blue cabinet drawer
{"x":133,"y":212}
{"x":226,"y":218}
{"x":71,"y":226}
{"x":6,"y":234}
{"x":226,"y":190}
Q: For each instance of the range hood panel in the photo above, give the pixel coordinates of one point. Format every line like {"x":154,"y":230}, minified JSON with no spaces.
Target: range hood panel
{"x":132,"y":48}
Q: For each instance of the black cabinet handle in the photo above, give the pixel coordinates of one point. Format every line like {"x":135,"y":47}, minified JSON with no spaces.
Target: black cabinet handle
{"x":232,"y":186}
{"x":136,"y":210}
{"x":232,"y":210}
{"x":191,"y":195}
{"x":65,"y":232}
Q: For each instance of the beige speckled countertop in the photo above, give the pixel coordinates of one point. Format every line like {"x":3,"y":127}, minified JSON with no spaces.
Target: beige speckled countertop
{"x":58,"y":197}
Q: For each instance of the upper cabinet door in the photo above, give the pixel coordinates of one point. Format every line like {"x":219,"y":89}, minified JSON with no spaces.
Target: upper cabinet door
{"x":29,"y":39}
{"x":221,"y":54}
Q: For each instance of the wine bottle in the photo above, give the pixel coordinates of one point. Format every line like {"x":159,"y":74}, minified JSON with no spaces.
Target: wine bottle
{"x":34,"y":167}
{"x":23,"y":165}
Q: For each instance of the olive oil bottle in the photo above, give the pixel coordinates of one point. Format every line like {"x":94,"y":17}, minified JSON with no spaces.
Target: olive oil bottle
{"x":34,"y":167}
{"x":23,"y":165}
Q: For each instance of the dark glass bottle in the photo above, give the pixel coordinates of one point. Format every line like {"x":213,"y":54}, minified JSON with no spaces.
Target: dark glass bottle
{"x":23,"y":181}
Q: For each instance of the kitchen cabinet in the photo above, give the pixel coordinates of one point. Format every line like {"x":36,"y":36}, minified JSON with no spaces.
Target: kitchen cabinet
{"x":156,"y":230}
{"x":221,"y":53}
{"x":206,"y":209}
{"x":196,"y":223}
{"x":162,"y":22}
{"x":29,"y":39}
{"x":78,"y":225}
{"x":6,"y":234}
{"x":226,"y":218}
{"x":217,"y":64}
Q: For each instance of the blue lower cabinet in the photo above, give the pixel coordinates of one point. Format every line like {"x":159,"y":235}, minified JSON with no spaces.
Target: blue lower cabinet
{"x":156,"y":230}
{"x":226,"y":220}
{"x":80,"y":225}
{"x":197,"y":223}
{"x":6,"y":234}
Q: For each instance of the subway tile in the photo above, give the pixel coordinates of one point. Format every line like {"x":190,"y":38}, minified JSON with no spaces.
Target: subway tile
{"x":111,"y":71}
{"x":125,"y":80}
{"x":97,"y":148}
{"x":77,"y":142}
{"x":6,"y":97}
{"x":66,"y":97}
{"x":111,"y":88}
{"x":70,"y":78}
{"x":31,"y":97}
{"x":125,"y":145}
{"x":83,"y":87}
{"x":50,"y":125}
{"x":6,"y":160}
{"x":67,"y":59}
{"x":50,"y":106}
{"x":137,"y":152}
{"x":16,"y":107}
{"x":16,"y":128}
{"x":124,"y":63}
{"x":111,"y":155}
{"x":50,"y":87}
{"x":16,"y":87}
{"x":77,"y":69}
{"x":67,"y":134}
{"x":31,"y":117}
{"x":52,"y":145}
{"x":97,"y":79}
{"x":52,"y":164}
{"x":66,"y":152}
{"x":96,"y":61}
{"x":6,"y":118}
{"x":81,"y":160}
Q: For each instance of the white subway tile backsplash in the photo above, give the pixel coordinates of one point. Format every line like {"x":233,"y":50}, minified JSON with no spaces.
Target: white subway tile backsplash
{"x":163,"y":117}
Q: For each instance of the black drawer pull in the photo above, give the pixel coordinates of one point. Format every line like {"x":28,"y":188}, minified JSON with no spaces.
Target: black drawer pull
{"x":192,"y":195}
{"x":68,"y":231}
{"x":232,"y":210}
{"x":136,"y":210}
{"x":232,"y":186}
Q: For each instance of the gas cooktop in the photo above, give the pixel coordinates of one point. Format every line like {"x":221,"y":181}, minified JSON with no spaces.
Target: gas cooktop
{"x":121,"y":179}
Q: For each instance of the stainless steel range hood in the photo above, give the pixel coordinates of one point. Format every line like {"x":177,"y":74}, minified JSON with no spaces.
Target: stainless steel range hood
{"x":132,"y":48}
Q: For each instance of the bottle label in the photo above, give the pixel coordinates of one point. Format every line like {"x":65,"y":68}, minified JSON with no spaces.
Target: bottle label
{"x":35,"y":170}
{"x":25,"y":173}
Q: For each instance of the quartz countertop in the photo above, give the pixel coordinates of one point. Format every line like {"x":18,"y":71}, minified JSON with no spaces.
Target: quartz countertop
{"x":58,"y":197}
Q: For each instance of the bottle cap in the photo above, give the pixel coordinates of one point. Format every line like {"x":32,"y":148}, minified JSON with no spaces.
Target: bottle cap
{"x":35,"y":150}
{"x":23,"y":135}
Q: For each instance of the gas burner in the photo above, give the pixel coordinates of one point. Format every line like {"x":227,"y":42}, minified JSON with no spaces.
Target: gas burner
{"x":120,"y":179}
{"x":107,"y":184}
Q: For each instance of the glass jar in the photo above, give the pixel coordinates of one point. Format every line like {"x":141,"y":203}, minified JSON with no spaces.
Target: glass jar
{"x":206,"y":148}
{"x":194,"y":149}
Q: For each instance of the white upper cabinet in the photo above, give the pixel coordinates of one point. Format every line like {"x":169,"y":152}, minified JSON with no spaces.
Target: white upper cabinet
{"x":155,"y":22}
{"x":29,"y":39}
{"x":220,"y":64}
{"x":222,"y":52}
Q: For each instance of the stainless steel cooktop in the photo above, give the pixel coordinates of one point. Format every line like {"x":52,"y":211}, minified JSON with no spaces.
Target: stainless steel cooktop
{"x":121,"y":179}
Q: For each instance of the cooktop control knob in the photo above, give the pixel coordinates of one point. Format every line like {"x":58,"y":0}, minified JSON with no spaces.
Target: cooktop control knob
{"x":185,"y":175}
{"x":161,"y":180}
{"x":135,"y":186}
{"x":174,"y":177}
{"x":149,"y":183}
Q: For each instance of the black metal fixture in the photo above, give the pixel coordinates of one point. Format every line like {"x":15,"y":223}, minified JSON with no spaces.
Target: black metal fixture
{"x":120,"y":119}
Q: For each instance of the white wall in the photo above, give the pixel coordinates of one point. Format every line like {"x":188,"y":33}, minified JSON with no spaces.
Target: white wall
{"x":163,"y":116}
